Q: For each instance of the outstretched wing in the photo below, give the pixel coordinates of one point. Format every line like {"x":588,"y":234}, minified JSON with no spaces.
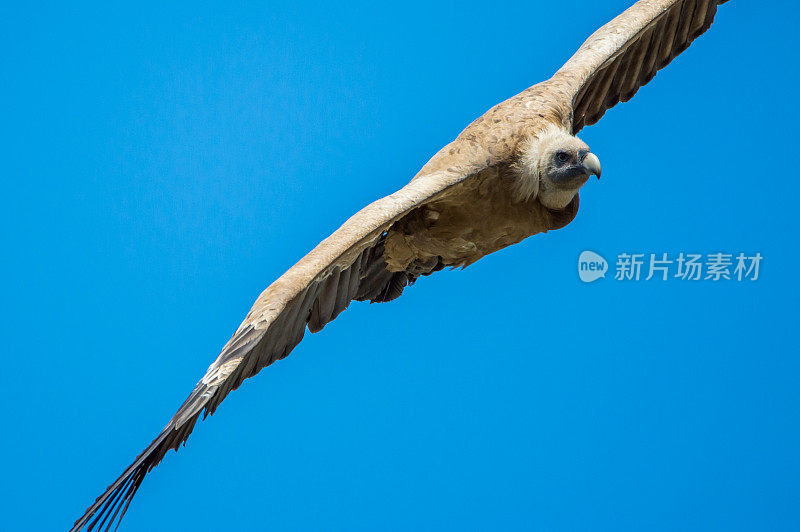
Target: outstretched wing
{"x":627,"y":53}
{"x":345,"y":266}
{"x":609,"y":67}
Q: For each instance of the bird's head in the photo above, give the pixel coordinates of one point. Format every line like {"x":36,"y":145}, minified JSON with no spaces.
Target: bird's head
{"x":553,"y":166}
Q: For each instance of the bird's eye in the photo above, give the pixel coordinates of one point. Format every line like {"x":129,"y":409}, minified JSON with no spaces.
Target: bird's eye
{"x":562,"y":156}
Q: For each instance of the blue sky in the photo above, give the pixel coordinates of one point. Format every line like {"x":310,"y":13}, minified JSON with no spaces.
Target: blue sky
{"x":163,"y":164}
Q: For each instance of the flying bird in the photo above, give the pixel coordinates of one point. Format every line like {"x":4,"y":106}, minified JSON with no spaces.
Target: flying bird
{"x":514,"y":172}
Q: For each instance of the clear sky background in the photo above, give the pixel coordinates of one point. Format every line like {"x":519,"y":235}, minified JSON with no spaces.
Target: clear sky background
{"x":162,"y":165}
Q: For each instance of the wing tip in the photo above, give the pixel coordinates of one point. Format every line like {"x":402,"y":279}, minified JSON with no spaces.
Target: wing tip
{"x":111,"y":506}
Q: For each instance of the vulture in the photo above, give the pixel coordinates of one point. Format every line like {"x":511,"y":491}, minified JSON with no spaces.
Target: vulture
{"x":514,"y":172}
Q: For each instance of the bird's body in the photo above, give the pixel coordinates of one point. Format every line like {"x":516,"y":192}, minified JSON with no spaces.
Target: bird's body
{"x":499,"y":205}
{"x":512,"y":173}
{"x":445,"y":233}
{"x":471,"y":220}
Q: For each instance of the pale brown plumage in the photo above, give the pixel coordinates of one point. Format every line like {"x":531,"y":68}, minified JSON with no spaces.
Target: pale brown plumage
{"x":465,"y":203}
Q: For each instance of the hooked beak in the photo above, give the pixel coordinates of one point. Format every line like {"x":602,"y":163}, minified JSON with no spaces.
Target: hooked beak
{"x":592,"y":164}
